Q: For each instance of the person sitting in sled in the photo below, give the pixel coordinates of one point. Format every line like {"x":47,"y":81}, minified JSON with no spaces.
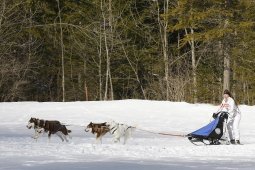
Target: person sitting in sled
{"x":229,"y":105}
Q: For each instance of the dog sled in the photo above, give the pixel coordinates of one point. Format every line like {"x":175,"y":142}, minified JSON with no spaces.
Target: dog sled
{"x":213,"y":133}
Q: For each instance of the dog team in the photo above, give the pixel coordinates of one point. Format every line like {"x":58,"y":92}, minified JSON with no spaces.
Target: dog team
{"x":99,"y":129}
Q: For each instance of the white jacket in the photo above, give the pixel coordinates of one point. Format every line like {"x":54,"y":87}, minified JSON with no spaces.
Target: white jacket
{"x":230,"y":107}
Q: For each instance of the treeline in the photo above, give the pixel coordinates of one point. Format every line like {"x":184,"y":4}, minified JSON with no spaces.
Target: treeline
{"x":179,"y":50}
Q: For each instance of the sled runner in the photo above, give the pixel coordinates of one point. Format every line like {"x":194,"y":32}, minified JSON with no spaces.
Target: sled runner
{"x":212,"y":133}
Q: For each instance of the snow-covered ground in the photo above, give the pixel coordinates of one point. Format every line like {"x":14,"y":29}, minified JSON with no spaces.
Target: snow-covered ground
{"x":18,"y":151}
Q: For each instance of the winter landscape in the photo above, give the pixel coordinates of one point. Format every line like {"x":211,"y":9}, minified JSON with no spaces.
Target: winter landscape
{"x":18,"y":151}
{"x":160,"y":67}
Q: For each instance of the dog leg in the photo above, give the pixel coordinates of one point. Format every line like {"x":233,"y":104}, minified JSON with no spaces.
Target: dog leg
{"x":35,"y":135}
{"x":60,"y":136}
{"x":38,"y":133}
{"x":49,"y":135}
{"x":66,"y":138}
{"x":118,"y":136}
{"x":100,"y":138}
{"x":63,"y":137}
{"x":97,"y":138}
{"x":130,"y":132}
{"x":117,"y":140}
{"x":125,"y":140}
{"x":127,"y":135}
{"x":114,"y":140}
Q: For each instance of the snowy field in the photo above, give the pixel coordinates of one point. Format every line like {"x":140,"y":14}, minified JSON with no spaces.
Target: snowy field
{"x":147,"y":151}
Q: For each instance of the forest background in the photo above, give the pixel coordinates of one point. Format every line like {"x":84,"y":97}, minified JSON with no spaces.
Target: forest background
{"x":80,"y":50}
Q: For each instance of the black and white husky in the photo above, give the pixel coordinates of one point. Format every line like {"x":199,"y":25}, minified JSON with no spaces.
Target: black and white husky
{"x":50,"y":126}
{"x":120,"y":130}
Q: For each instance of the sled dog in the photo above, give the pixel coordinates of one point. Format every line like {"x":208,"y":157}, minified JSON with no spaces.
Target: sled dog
{"x":120,"y":130}
{"x":48,"y":126}
{"x":99,"y":129}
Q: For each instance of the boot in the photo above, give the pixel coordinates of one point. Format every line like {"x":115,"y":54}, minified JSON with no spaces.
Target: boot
{"x":232,"y":141}
{"x":238,"y":142}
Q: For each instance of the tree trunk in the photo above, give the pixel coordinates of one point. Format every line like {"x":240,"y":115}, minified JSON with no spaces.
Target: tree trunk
{"x":194,"y":73}
{"x":135,"y":71}
{"x":111,"y":40}
{"x":165,"y":50}
{"x":107,"y":63}
{"x":62,"y":54}
{"x":107,"y":52}
{"x":164,"y":39}
{"x":194,"y":63}
{"x":100,"y":65}
{"x":85,"y":82}
{"x":86,"y":91}
{"x":108,"y":77}
{"x":226,"y":74}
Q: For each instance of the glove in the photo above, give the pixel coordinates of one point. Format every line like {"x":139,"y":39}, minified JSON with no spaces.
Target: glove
{"x":215,"y":115}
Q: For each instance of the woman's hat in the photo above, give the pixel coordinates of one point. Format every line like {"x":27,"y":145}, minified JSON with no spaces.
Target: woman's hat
{"x":227,"y":92}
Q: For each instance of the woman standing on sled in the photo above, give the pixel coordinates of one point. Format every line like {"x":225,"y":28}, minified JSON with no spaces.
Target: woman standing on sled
{"x":229,"y":105}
